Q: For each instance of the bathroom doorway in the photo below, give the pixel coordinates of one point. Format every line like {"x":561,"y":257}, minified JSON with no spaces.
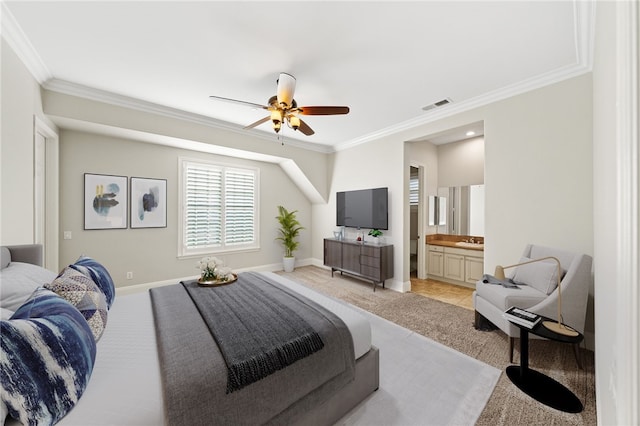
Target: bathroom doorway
{"x":416,"y":255}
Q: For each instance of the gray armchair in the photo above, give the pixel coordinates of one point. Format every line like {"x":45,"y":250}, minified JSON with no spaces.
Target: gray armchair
{"x":491,"y":300}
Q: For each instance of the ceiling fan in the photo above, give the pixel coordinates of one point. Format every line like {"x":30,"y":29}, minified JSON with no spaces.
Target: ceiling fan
{"x":284,"y":109}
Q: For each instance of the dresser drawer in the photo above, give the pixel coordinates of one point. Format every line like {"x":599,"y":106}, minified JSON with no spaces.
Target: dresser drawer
{"x":370,"y":271}
{"x":370,"y":251}
{"x":370,"y":261}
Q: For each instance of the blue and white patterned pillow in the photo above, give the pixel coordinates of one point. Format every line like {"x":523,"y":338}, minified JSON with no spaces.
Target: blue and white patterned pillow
{"x":99,"y":274}
{"x":80,"y":290}
{"x":47,"y":353}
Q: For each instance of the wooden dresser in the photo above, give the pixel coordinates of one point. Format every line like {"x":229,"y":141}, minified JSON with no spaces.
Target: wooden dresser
{"x":373,"y":262}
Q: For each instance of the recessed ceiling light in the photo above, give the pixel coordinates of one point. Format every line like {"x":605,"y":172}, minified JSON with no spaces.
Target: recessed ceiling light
{"x":470,"y":133}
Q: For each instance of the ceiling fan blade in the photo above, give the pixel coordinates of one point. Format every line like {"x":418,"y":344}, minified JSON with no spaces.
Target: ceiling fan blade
{"x":286,"y":87}
{"x":257,"y":123}
{"x":235,"y":101}
{"x":323,"y":110}
{"x":304,"y":128}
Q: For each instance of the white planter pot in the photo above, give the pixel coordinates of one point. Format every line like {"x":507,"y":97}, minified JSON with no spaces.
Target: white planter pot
{"x":289,"y":263}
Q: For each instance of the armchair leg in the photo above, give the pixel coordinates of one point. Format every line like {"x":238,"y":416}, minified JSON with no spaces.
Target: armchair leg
{"x":511,"y":344}
{"x":481,"y":323}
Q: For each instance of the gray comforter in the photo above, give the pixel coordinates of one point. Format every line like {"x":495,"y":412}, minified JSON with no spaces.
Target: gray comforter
{"x":194,"y":372}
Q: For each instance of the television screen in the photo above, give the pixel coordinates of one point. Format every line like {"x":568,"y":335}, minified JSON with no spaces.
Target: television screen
{"x":365,"y":208}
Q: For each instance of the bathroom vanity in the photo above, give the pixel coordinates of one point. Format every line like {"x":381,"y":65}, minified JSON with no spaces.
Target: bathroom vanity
{"x":456,"y":259}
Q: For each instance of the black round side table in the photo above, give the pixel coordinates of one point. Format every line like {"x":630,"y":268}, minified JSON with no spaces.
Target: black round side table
{"x":539,"y":386}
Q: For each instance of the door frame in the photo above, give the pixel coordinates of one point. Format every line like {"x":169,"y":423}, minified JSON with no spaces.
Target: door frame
{"x":51,"y":191}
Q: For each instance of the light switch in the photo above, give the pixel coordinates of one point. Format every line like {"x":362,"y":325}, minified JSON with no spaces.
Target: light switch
{"x":67,"y":235}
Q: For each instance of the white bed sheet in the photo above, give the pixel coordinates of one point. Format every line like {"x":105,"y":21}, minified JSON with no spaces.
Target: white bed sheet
{"x":125,"y":386}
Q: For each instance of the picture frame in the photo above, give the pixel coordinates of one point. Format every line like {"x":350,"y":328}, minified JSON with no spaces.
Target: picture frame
{"x":148,"y":203}
{"x":105,"y":201}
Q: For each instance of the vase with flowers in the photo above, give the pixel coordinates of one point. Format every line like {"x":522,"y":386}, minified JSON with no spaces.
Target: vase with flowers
{"x":214,"y":272}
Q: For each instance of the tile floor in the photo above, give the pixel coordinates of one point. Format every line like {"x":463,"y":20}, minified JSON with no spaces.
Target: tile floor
{"x":444,"y":292}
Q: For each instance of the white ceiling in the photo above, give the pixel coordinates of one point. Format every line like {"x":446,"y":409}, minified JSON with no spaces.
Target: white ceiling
{"x":385,"y":60}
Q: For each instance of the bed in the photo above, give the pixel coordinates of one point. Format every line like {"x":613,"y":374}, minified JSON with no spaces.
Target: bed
{"x":128,"y":381}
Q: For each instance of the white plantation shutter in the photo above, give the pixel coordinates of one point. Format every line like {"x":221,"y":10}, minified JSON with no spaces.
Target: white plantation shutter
{"x":239,"y":212}
{"x":414,"y":188}
{"x":219,"y":208}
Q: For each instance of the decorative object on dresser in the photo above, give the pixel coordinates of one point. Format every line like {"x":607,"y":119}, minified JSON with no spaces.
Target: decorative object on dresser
{"x":537,"y":291}
{"x":289,"y":230}
{"x":366,"y":261}
{"x":376,"y":234}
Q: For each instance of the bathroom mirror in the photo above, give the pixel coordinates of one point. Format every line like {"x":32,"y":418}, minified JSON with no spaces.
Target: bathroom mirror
{"x":437,"y":211}
{"x":459,"y":210}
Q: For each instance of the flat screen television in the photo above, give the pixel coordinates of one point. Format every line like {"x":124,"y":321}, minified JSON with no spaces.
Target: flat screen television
{"x":364,"y":208}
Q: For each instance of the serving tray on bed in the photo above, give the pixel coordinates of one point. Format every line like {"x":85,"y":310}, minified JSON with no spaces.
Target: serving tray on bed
{"x":215,"y":283}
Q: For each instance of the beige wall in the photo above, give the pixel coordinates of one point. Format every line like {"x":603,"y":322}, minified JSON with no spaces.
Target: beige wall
{"x":20,"y":103}
{"x":174,"y":126}
{"x":461,"y":163}
{"x":538,"y":175}
{"x":538,"y":162}
{"x":151,"y":254}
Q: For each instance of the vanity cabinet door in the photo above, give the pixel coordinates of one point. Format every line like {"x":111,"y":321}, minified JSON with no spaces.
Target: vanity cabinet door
{"x":473,"y":269}
{"x":454,"y":266}
{"x":435,"y":262}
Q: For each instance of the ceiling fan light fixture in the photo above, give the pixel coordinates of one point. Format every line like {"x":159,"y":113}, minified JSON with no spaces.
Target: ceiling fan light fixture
{"x":294,"y":122}
{"x":282,"y":107}
{"x":286,"y":87}
{"x":276,"y":117}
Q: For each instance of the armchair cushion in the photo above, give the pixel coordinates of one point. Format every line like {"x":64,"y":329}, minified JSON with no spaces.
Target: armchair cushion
{"x":523,"y":296}
{"x":543,"y":276}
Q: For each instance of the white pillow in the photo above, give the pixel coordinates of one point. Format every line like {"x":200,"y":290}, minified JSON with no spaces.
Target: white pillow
{"x":19,"y":280}
{"x":4,"y":412}
{"x":5,"y":314}
{"x":543,"y":276}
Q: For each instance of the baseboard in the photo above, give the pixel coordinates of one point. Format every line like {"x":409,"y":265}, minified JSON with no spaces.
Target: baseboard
{"x":274,"y":267}
{"x":400,"y":286}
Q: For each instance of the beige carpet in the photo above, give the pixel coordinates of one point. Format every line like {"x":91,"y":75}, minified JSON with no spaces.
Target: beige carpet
{"x":453,"y":327}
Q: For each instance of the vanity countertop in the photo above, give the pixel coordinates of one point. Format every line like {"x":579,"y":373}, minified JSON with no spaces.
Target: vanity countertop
{"x":457,"y":241}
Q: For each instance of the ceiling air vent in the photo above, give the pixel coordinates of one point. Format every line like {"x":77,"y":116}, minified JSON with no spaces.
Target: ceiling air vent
{"x":438,"y":104}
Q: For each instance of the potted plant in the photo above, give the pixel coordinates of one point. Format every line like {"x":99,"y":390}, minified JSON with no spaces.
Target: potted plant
{"x":289,"y":230}
{"x":375,"y":233}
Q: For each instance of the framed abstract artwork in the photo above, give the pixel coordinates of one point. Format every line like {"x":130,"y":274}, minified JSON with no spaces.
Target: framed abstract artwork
{"x":148,"y":203}
{"x":105,"y":201}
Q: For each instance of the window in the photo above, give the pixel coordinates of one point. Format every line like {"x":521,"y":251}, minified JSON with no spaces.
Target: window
{"x":414,"y":188}
{"x":219,"y":208}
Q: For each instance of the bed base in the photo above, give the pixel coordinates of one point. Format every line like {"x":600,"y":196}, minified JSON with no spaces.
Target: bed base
{"x":367,"y":381}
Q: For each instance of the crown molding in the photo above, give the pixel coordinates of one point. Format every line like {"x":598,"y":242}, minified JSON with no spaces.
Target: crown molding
{"x":584,"y":27}
{"x":456,"y":108}
{"x":21,"y":45}
{"x":90,"y":93}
